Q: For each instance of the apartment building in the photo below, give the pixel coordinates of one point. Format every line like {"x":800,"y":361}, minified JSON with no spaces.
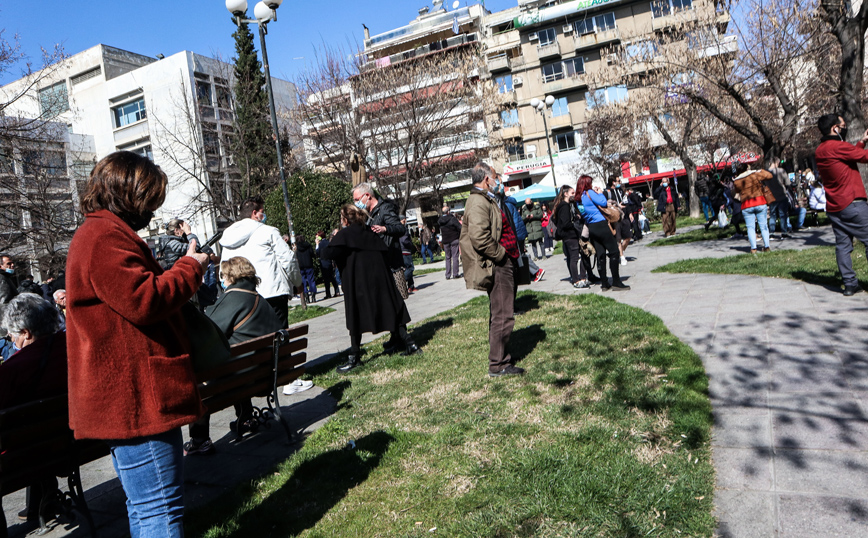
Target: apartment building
{"x":176,"y":110}
{"x":549,"y":48}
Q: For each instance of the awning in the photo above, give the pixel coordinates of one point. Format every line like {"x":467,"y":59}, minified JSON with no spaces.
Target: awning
{"x":536,"y":192}
{"x":741,"y":158}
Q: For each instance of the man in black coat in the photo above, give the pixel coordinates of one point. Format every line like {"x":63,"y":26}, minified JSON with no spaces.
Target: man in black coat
{"x":383,"y":221}
{"x":450,"y":229}
{"x":328,"y":268}
{"x":304,"y":254}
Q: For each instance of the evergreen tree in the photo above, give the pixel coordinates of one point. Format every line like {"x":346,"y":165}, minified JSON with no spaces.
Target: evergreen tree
{"x":253,"y":145}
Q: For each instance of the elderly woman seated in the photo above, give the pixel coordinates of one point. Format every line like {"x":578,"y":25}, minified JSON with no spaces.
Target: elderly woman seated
{"x":36,"y":370}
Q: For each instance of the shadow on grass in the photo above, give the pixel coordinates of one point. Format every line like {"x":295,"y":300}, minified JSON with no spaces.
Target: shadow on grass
{"x":313,"y":489}
{"x":525,"y":340}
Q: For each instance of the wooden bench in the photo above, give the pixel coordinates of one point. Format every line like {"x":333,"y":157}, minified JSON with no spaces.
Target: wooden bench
{"x":257,"y":368}
{"x":36,"y":444}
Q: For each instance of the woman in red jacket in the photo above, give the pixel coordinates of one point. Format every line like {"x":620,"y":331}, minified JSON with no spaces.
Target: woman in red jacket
{"x":131,"y":381}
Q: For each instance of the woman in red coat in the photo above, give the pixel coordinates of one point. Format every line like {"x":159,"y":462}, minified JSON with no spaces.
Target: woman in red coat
{"x":131,"y":381}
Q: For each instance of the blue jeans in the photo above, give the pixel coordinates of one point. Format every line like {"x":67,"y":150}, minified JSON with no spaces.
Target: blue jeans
{"x":425,"y":251}
{"x":801,"y":220}
{"x":752,"y":215}
{"x":338,"y":276}
{"x":308,"y":282}
{"x":408,"y":270}
{"x":151,"y":470}
{"x":779,"y":209}
{"x":707,"y":210}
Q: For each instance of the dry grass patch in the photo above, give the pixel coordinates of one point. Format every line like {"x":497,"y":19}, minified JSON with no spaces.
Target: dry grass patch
{"x":383,"y":377}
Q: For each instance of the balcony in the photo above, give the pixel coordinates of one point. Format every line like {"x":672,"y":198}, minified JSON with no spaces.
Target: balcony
{"x":512,"y":131}
{"x":561,"y":122}
{"x":595,"y":39}
{"x":499,"y":63}
{"x":548,"y":51}
{"x":506,"y":98}
{"x":674,"y":19}
{"x":503,"y":40}
{"x":566,"y":83}
{"x":132,"y":131}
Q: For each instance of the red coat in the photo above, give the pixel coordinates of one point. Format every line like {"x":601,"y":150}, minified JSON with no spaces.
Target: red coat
{"x":836,"y":161}
{"x":130,"y":373}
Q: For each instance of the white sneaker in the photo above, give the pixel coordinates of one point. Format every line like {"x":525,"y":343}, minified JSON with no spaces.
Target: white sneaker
{"x":623,"y":260}
{"x":298,"y":385}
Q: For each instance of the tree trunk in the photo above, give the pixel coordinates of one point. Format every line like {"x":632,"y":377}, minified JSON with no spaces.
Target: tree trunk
{"x":850,"y":89}
{"x":695,"y":208}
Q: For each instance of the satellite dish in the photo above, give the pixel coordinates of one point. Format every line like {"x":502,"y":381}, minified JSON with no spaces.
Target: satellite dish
{"x":455,"y":4}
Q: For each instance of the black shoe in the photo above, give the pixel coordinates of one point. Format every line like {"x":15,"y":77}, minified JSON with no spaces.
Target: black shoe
{"x":509,"y":369}
{"x":606,"y":288}
{"x":849,"y":291}
{"x":192,"y":447}
{"x":352,"y":362}
{"x":593,"y":279}
{"x":25,"y":516}
{"x":328,"y":296}
{"x":390,"y":347}
{"x":620,"y":286}
{"x":412,"y":349}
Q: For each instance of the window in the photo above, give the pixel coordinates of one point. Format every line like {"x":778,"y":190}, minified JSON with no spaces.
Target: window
{"x":509,"y":118}
{"x":661,"y":8}
{"x":7,"y":164}
{"x":641,"y":50}
{"x":130,"y":113}
{"x":224,"y":97}
{"x":547,"y":36}
{"x":575,"y":66}
{"x":144,"y":151}
{"x":599,"y":23}
{"x":553,"y":72}
{"x":203,"y":93}
{"x":504,"y":83}
{"x":560,"y":107}
{"x":605,"y":22}
{"x":566,"y":141}
{"x":605,"y":96}
{"x":514,"y":151}
{"x":54,"y":99}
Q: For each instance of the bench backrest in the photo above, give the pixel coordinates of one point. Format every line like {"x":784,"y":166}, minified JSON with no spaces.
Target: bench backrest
{"x":250,"y":372}
{"x":35,"y":441}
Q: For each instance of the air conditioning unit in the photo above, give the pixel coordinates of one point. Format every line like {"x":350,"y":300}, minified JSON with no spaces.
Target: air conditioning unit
{"x":568,"y":28}
{"x":517,"y":81}
{"x":533,"y":36}
{"x":611,"y":59}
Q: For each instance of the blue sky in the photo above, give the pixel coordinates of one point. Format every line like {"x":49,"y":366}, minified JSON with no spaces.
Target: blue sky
{"x":152,"y":27}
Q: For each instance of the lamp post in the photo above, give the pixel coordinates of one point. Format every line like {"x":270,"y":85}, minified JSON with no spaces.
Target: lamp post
{"x":541,"y":106}
{"x":265,"y":12}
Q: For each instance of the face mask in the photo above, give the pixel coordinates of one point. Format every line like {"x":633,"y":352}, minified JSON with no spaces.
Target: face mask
{"x":15,"y":348}
{"x":10,"y":271}
{"x":137,"y":222}
{"x":665,"y":184}
{"x":360,"y":204}
{"x":264,"y":218}
{"x":842,"y":133}
{"x":222,"y":284}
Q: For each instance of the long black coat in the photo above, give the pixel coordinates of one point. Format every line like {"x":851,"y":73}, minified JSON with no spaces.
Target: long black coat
{"x":371,"y":300}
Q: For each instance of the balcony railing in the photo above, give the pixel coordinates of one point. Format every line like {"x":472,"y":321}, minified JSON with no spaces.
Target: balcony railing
{"x":566,"y":83}
{"x":511,"y":131}
{"x":420,"y":51}
{"x":131,"y":131}
{"x":507,"y":97}
{"x":679,"y":17}
{"x":547,"y":51}
{"x":560,"y":122}
{"x":499,"y":63}
{"x":598,"y":38}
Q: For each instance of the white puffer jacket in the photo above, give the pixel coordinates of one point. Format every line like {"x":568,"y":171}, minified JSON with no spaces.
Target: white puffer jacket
{"x":262,"y":245}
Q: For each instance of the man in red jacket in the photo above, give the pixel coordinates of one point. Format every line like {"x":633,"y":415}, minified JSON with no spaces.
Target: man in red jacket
{"x":846,"y":200}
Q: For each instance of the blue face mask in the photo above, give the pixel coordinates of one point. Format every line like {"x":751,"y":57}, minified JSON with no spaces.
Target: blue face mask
{"x":264,"y":218}
{"x":222,"y":284}
{"x":360,"y":204}
{"x":10,"y":271}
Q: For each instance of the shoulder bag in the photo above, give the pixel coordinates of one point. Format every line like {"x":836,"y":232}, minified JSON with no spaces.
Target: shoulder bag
{"x":208,"y":345}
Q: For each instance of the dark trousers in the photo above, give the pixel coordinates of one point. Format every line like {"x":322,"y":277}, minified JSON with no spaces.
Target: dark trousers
{"x":851,"y":222}
{"x":201,"y":429}
{"x":637,"y":228}
{"x":408,"y":270}
{"x":399,"y":336}
{"x":669,"y":215}
{"x":308,"y":282}
{"x":571,"y":249}
{"x":501,"y":317}
{"x":280,"y":305}
{"x":328,"y":278}
{"x":451,"y":252}
{"x":606,"y":246}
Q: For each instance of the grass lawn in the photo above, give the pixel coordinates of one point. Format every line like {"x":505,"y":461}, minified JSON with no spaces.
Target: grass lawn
{"x":417,"y":259}
{"x":816,"y":265}
{"x":606,"y":435}
{"x":417,"y":272}
{"x":694,"y":235}
{"x":680,"y":222}
{"x":297,"y":314}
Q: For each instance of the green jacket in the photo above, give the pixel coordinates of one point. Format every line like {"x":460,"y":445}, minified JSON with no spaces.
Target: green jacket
{"x":480,"y":240}
{"x":532,"y":221}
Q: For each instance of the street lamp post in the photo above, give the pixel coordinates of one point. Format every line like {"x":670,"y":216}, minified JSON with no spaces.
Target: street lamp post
{"x":265,"y":12}
{"x":541,"y":105}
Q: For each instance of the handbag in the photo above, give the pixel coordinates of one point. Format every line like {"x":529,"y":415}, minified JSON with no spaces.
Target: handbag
{"x":401,"y":283}
{"x":208,"y":345}
{"x":522,"y":277}
{"x":612,"y":215}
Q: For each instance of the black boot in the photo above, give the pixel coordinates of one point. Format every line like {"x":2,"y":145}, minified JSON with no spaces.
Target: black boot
{"x":352,"y":362}
{"x":617,"y":285}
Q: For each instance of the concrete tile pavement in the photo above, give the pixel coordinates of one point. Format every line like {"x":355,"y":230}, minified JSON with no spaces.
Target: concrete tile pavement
{"x":788,"y":378}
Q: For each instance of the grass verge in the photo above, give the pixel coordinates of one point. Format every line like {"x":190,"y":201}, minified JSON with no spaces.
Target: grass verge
{"x":816,"y":265}
{"x":693,"y":236}
{"x":417,"y":272}
{"x":297,"y":314}
{"x":606,"y":435}
{"x":680,"y":222}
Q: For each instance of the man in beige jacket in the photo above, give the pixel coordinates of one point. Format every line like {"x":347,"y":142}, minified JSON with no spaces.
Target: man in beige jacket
{"x":489,"y":250}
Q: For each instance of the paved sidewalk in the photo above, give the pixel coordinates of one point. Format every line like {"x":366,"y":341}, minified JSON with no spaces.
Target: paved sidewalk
{"x":788,"y":381}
